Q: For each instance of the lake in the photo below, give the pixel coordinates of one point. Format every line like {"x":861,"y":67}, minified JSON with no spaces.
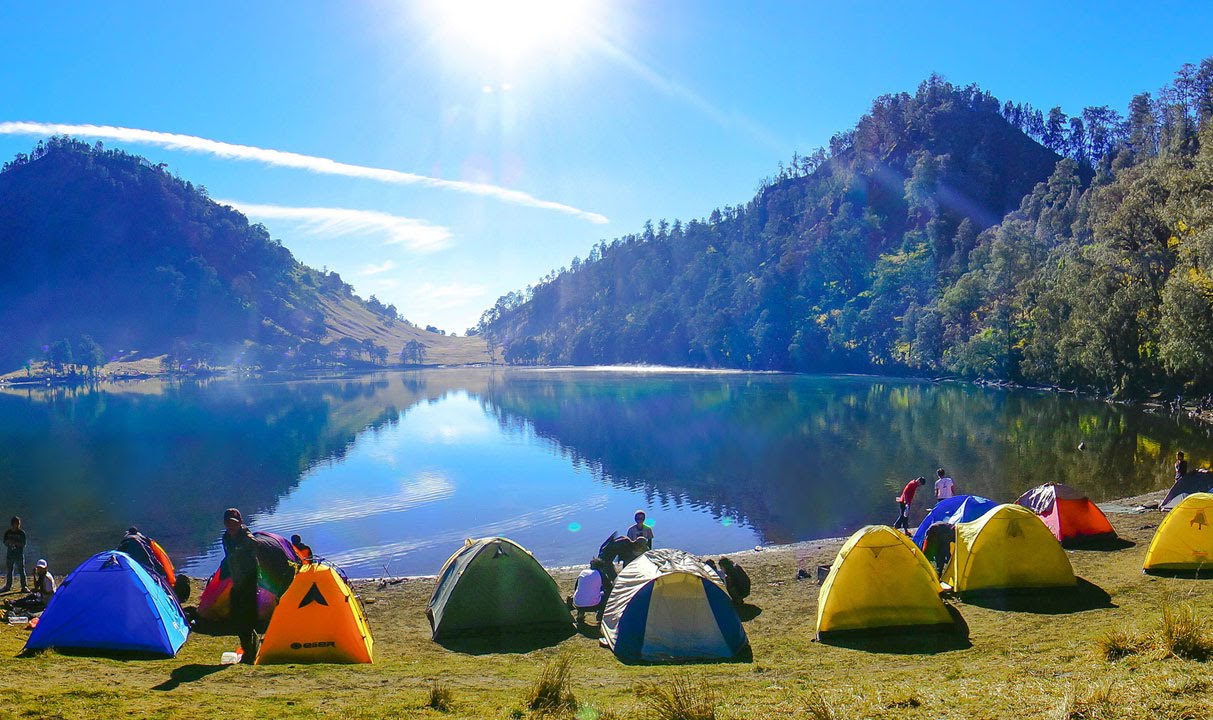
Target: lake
{"x":386,"y":474}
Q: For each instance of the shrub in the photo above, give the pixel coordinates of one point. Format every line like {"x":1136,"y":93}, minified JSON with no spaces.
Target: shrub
{"x":442,"y":698}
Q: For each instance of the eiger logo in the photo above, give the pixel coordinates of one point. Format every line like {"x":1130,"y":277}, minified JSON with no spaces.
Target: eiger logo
{"x":308,"y":646}
{"x":313,"y":596}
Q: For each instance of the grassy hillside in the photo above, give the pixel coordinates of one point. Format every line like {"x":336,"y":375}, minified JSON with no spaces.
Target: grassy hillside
{"x":1039,"y":660}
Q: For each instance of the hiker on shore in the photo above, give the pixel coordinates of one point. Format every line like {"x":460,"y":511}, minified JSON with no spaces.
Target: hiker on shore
{"x":736,"y":580}
{"x":904,"y":500}
{"x":303,"y":551}
{"x":640,"y":529}
{"x":945,"y":487}
{"x":937,"y":546}
{"x":1181,"y":465}
{"x":240,"y":552}
{"x":14,"y":558}
{"x":44,"y":588}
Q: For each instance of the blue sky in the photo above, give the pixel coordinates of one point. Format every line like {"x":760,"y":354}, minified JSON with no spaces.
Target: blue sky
{"x":474,"y":146}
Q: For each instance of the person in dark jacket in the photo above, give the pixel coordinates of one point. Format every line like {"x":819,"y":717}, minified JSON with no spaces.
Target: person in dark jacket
{"x":736,"y":580}
{"x":240,"y":553}
{"x":14,"y":544}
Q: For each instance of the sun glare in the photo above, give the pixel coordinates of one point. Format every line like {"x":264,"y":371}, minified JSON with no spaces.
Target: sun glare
{"x":513,"y":30}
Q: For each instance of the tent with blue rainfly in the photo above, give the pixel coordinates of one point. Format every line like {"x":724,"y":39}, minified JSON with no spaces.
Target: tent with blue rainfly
{"x":667,"y":605}
{"x":110,"y":602}
{"x":956,"y":509}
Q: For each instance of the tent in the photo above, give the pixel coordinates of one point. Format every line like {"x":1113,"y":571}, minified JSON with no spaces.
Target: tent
{"x":494,"y":585}
{"x":1008,"y":547}
{"x":110,"y":602}
{"x":277,"y":560}
{"x":318,"y":620}
{"x":1067,"y":512}
{"x":1200,"y":481}
{"x":667,"y":605}
{"x":956,"y":509}
{"x":879,"y":579}
{"x":1184,"y":539}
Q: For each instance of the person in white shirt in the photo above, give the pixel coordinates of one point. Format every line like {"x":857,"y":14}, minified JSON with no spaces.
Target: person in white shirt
{"x":944,"y":487}
{"x":592,"y":590}
{"x":640,"y":530}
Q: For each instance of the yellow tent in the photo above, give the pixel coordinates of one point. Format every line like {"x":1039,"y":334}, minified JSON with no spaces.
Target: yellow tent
{"x":880,"y":579}
{"x":1184,"y":539}
{"x":1008,"y":547}
{"x":318,"y":620}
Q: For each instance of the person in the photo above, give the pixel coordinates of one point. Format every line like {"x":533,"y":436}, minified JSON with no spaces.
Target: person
{"x":944,"y":486}
{"x":904,"y":500}
{"x":148,"y":553}
{"x":937,"y":545}
{"x":736,"y":580}
{"x":14,"y":542}
{"x":591,"y":591}
{"x":1181,"y":465}
{"x":640,"y":529}
{"x":303,"y":551}
{"x":44,"y":589}
{"x":240,"y":553}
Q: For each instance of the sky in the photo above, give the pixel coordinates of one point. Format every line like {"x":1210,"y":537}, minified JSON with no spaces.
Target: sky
{"x":441,"y":153}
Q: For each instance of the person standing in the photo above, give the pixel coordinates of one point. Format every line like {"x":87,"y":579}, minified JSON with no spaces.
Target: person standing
{"x":14,"y":543}
{"x":904,"y":500}
{"x":944,"y":486}
{"x":240,"y":553}
{"x":640,"y":530}
{"x":1181,"y":465}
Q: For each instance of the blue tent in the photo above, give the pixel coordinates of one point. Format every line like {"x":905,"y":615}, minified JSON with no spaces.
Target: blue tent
{"x":957,"y":509}
{"x":111,"y":603}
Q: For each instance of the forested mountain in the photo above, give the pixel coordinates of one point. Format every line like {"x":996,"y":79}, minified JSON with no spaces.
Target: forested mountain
{"x":945,"y":233}
{"x":104,"y":253}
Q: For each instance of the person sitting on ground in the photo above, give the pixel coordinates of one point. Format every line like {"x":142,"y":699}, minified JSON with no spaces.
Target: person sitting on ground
{"x":736,"y":580}
{"x":640,"y":530}
{"x":591,"y":591}
{"x":44,"y":589}
{"x":303,"y":551}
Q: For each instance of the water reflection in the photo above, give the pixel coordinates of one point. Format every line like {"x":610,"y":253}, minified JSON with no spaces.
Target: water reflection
{"x":388,"y":473}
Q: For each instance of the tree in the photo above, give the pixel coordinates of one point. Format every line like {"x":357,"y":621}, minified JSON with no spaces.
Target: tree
{"x":89,"y":354}
{"x":413,"y":353}
{"x":59,"y":354}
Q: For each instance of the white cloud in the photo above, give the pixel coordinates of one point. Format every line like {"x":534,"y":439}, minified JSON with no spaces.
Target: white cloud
{"x":377,"y":269}
{"x":279,"y":158}
{"x":414,"y":234}
{"x":429,"y":297}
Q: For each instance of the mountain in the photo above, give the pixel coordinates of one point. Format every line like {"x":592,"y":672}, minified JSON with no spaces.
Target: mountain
{"x":945,"y":233}
{"x":105,"y":253}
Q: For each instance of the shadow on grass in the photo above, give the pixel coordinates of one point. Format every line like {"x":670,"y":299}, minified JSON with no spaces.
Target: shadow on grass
{"x":187,"y":674}
{"x":1107,"y":543}
{"x":909,"y":640}
{"x":507,"y":641}
{"x":745,"y":655}
{"x":1044,"y":601}
{"x":1205,"y":573}
{"x":747,"y":612}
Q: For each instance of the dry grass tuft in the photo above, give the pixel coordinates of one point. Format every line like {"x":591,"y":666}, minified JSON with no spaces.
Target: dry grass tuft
{"x":1095,"y":704}
{"x":1183,"y":634}
{"x":1119,"y":644}
{"x":680,"y":697}
{"x":815,"y":707}
{"x":552,"y":691}
{"x":441,"y":698}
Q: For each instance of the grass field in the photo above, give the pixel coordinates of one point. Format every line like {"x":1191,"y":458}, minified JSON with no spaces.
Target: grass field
{"x":1040,"y":659}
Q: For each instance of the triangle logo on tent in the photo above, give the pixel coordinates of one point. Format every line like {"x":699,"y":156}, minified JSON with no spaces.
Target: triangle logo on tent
{"x":1013,"y":529}
{"x":1199,"y":521}
{"x":313,"y":596}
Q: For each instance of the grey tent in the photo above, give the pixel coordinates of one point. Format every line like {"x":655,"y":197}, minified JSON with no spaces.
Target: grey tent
{"x":493,"y":585}
{"x":1193,"y":482}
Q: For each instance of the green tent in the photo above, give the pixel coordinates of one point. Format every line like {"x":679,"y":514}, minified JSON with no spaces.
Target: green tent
{"x":493,"y":585}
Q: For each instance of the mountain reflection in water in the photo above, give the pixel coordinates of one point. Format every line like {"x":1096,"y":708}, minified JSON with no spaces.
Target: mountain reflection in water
{"x":388,"y":473}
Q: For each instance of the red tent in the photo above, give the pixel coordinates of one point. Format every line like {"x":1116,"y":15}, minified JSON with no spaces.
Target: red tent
{"x":1067,"y":512}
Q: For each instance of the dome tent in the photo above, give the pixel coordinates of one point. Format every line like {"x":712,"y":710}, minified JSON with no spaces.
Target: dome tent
{"x":667,"y":605}
{"x":879,"y":579}
{"x":1067,"y":512}
{"x":956,"y":509}
{"x":110,"y":602}
{"x":493,"y":585}
{"x":1008,"y":547}
{"x":1183,"y":541}
{"x":318,"y":620}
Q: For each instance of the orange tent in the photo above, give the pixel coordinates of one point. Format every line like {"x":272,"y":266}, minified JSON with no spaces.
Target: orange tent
{"x":318,"y":620}
{"x":1067,"y":512}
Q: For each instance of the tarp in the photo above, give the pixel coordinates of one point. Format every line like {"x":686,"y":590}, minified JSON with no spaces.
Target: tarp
{"x":1200,"y":481}
{"x":1008,"y":547}
{"x":110,"y":602}
{"x":956,"y":509}
{"x":493,"y":585}
{"x":667,"y":605}
{"x":1067,"y":512}
{"x":276,"y":560}
{"x":879,"y":579}
{"x":318,"y":620}
{"x":1184,"y":539}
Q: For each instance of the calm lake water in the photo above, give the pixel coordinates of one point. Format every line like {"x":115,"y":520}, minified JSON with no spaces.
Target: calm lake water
{"x":388,"y":473}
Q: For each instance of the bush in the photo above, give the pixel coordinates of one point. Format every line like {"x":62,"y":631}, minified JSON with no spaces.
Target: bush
{"x":442,"y":698}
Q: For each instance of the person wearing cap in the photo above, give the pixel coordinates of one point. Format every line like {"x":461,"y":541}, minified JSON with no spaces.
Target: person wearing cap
{"x":44,"y":588}
{"x":240,"y":553}
{"x":14,"y":543}
{"x":640,"y":530}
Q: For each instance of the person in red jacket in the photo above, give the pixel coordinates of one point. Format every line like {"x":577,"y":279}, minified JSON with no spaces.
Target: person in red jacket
{"x":904,"y":500}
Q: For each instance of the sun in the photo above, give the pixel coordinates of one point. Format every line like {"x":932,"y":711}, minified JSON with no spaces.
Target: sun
{"x":512,"y":31}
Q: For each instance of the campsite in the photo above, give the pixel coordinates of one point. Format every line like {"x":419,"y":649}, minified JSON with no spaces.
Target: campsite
{"x":1038,"y":655}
